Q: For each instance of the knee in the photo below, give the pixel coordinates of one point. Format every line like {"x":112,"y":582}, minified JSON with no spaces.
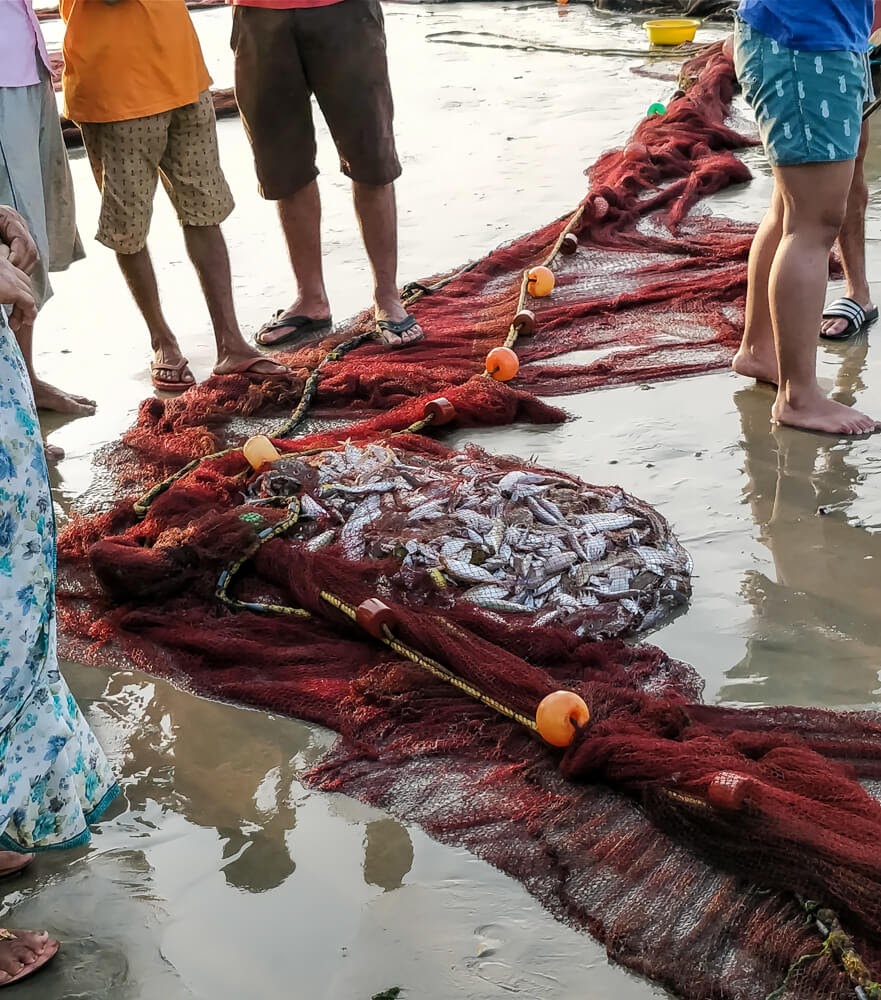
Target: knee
{"x":821,"y":223}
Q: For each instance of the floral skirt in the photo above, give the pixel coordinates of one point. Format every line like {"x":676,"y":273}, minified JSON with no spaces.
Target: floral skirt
{"x":54,"y":777}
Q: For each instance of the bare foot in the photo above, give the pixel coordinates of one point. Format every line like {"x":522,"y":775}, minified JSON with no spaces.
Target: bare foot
{"x":247,"y":360}
{"x":761,"y":367}
{"x":27,"y":949}
{"x":821,"y":414}
{"x":53,"y":454}
{"x":48,"y":397}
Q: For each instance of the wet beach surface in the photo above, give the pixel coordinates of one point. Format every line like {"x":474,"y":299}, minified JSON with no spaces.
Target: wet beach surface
{"x":220,"y":876}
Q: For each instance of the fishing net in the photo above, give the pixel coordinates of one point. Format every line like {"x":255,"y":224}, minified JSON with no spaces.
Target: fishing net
{"x":426,"y":603}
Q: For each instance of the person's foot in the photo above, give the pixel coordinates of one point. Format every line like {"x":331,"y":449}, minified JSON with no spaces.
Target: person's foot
{"x":762,"y":366}
{"x":316,"y":308}
{"x":49,"y":397}
{"x":53,"y":454}
{"x":22,"y":952}
{"x":169,"y":370}
{"x":840,"y":327}
{"x":11,"y":862}
{"x":393,"y":312}
{"x":247,"y":360}
{"x":819,"y":413}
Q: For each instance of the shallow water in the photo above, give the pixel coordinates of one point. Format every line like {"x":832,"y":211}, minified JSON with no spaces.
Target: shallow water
{"x":220,"y":876}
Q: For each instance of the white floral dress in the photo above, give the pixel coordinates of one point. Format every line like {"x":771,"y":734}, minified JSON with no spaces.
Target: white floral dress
{"x":54,"y":777}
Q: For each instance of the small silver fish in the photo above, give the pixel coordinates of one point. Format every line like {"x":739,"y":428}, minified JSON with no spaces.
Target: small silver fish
{"x":465,"y":572}
{"x":320,"y":541}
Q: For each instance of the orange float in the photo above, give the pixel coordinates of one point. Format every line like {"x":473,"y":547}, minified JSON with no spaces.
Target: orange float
{"x":502,"y":363}
{"x":636,"y":152}
{"x":728,"y":791}
{"x":260,"y":451}
{"x":374,"y":616}
{"x":540,"y":281}
{"x":559,"y":715}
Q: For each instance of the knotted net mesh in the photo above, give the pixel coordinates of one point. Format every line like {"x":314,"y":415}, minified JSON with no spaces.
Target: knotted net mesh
{"x":721,"y":852}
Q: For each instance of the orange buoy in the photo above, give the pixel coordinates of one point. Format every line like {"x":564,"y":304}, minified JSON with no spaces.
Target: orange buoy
{"x":727,"y":791}
{"x":559,"y":715}
{"x":502,"y":363}
{"x":569,"y":244}
{"x":375,"y":617}
{"x":636,"y":152}
{"x":260,"y":451}
{"x":524,"y":322}
{"x":441,"y":411}
{"x":540,"y":281}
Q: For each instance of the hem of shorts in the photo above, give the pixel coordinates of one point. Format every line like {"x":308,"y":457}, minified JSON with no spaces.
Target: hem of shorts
{"x":80,"y":840}
{"x":277,"y":194}
{"x":803,"y":161}
{"x":390,"y":178}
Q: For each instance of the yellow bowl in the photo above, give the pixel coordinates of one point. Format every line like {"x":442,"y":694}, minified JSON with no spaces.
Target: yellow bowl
{"x":672,"y":30}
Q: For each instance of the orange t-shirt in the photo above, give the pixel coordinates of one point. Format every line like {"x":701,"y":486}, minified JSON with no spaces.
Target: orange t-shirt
{"x":129,"y":59}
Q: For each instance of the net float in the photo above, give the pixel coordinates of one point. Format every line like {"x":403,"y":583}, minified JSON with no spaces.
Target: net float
{"x":636,"y":152}
{"x":375,"y":617}
{"x":540,"y":281}
{"x":441,"y":411}
{"x":260,"y":451}
{"x":656,"y":109}
{"x":569,"y":245}
{"x":524,"y":322}
{"x":502,"y":364}
{"x":728,"y":791}
{"x":558,"y":717}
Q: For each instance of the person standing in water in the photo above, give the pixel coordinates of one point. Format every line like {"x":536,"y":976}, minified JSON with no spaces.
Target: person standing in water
{"x":804,"y":70}
{"x":135,"y":82}
{"x":35,"y":177}
{"x":54,"y":779}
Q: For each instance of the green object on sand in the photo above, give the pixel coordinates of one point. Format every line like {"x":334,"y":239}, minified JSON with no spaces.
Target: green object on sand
{"x":390,"y":994}
{"x":656,"y":109}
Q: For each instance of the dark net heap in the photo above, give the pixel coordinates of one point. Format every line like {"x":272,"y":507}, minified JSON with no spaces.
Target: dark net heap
{"x":422,"y":602}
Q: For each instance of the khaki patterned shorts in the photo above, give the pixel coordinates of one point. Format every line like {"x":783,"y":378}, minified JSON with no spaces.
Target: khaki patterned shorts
{"x":127,"y":158}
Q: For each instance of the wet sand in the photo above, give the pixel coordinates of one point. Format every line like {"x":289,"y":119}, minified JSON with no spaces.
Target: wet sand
{"x":220,"y":876}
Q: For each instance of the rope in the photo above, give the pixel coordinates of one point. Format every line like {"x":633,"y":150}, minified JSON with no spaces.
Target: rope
{"x":526,"y":45}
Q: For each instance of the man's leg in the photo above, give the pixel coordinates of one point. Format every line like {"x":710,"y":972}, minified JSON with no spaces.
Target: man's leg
{"x":757,"y":356}
{"x":378,"y":218}
{"x":852,"y":241}
{"x":207,"y":249}
{"x":814,"y":200}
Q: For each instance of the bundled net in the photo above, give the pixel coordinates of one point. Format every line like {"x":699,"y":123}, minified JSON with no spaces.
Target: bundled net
{"x":424,"y":603}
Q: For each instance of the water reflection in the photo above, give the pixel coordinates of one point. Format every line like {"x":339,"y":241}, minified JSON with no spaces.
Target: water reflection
{"x":241,"y":780}
{"x":816,"y":634}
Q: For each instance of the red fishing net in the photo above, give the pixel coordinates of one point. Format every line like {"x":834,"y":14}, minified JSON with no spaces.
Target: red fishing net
{"x":723,"y":853}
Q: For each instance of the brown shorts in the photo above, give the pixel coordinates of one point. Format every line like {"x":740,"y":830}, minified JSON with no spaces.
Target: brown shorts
{"x":338,"y":54}
{"x":128,"y":158}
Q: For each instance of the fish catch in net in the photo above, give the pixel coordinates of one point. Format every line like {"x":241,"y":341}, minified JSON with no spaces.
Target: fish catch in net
{"x":726,"y":853}
{"x":506,"y":537}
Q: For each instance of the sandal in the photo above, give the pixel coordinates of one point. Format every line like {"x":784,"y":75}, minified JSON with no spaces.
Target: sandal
{"x":299,"y":327}
{"x":852,"y":313}
{"x":49,"y":952}
{"x":398,"y":328}
{"x":180,"y":384}
{"x":247,"y":367}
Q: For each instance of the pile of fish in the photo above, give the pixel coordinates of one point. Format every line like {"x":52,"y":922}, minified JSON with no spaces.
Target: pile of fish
{"x":502,"y":534}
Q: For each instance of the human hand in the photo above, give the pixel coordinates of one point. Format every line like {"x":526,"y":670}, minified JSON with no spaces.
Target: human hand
{"x":15,"y":291}
{"x":15,"y":233}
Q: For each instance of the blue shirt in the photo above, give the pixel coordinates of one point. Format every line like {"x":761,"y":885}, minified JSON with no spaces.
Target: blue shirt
{"x":812,"y":25}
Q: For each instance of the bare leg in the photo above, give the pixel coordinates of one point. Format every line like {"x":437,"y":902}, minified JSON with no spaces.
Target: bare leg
{"x":26,"y":950}
{"x":207,"y":249}
{"x":757,"y":357}
{"x":378,"y":217}
{"x":852,"y":241}
{"x":300,"y":216}
{"x":137,"y":269}
{"x":46,"y":396}
{"x":814,"y":199}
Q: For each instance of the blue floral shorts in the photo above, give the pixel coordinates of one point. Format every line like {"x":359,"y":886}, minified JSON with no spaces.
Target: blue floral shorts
{"x":808,"y":105}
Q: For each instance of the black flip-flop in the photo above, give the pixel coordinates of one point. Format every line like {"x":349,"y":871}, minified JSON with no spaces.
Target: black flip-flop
{"x":852,"y":313}
{"x":299,"y":326}
{"x":398,"y":328}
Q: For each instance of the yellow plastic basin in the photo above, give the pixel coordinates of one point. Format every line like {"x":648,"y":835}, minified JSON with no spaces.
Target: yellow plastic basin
{"x":672,"y":30}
